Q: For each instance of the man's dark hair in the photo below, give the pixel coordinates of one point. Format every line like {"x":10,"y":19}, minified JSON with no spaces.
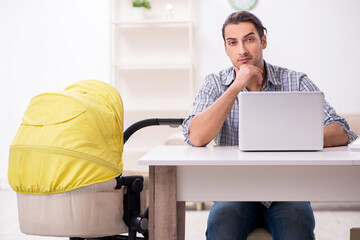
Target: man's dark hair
{"x":244,"y":16}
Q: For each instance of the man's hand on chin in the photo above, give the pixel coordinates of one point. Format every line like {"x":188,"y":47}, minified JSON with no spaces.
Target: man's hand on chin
{"x":249,"y":76}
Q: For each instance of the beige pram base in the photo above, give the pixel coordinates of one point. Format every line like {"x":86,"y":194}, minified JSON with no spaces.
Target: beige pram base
{"x":91,"y":211}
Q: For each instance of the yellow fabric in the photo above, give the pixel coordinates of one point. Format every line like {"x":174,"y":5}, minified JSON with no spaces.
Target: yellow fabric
{"x":68,"y":139}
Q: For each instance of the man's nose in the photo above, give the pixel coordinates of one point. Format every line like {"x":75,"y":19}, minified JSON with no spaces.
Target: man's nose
{"x":242,"y":51}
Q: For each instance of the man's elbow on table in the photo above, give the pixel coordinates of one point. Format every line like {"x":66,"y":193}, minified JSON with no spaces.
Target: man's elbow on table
{"x":197,"y":140}
{"x":335,"y":135}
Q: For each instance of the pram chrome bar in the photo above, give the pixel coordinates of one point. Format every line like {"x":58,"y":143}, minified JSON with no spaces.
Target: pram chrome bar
{"x":171,"y":122}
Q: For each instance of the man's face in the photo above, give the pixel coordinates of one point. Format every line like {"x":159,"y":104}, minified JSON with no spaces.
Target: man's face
{"x":243,"y":44}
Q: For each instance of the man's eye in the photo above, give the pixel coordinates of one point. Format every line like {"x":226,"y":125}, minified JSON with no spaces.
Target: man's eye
{"x":232,"y":43}
{"x":250,"y":39}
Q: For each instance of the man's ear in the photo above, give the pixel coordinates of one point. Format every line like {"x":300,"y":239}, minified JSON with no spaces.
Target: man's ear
{"x":264,"y":41}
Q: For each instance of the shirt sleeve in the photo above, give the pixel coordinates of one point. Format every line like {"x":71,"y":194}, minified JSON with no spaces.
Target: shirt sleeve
{"x":207,"y":95}
{"x":330,"y":115}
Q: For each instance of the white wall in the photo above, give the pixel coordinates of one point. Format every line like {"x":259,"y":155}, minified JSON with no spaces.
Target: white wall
{"x":319,"y":38}
{"x":47,"y":44}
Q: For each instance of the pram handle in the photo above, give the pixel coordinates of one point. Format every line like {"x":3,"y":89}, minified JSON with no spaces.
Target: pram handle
{"x":171,"y":122}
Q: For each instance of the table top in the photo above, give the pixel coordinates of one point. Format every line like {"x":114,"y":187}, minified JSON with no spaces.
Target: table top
{"x":232,"y":156}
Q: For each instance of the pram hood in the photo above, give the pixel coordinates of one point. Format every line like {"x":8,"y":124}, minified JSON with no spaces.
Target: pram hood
{"x":68,"y":139}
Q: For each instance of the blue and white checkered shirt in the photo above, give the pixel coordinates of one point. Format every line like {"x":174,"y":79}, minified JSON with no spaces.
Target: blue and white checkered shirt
{"x":278,"y":80}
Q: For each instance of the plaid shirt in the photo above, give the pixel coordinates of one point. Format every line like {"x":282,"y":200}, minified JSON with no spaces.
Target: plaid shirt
{"x":278,"y":80}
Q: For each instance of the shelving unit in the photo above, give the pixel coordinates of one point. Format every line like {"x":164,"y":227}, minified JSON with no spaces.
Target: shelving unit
{"x":152,"y":66}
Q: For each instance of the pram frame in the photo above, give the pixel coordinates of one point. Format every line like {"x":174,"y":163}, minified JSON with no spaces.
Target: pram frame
{"x":135,"y":222}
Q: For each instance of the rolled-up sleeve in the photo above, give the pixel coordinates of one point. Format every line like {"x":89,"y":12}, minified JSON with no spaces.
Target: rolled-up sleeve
{"x":330,"y":116}
{"x":207,"y":95}
{"x":186,"y":128}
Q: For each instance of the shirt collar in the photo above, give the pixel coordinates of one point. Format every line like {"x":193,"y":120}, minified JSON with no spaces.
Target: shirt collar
{"x":230,"y":77}
{"x":271,"y":75}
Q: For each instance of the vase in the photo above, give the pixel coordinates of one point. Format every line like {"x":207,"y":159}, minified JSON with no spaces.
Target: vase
{"x":137,"y":13}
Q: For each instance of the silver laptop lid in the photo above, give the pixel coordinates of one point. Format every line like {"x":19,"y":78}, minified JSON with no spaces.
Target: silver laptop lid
{"x":281,"y":121}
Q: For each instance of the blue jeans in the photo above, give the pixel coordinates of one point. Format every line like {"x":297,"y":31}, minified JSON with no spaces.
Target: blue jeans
{"x":284,"y":220}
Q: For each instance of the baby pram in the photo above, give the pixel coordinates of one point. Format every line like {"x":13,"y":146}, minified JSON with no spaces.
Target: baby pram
{"x":65,"y":164}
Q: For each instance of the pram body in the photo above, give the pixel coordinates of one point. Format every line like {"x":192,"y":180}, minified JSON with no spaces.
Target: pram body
{"x":91,"y":211}
{"x":57,"y":195}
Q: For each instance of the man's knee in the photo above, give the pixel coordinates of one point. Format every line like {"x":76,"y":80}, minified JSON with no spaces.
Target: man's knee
{"x":231,"y":220}
{"x":296,"y":219}
{"x":223,"y":213}
{"x":300,"y":211}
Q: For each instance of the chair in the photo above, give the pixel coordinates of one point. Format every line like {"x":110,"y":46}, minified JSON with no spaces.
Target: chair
{"x":260,"y":234}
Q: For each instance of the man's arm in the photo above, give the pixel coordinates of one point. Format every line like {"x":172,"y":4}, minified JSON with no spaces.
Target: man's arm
{"x":335,"y":135}
{"x":336,"y":131}
{"x":206,"y":125}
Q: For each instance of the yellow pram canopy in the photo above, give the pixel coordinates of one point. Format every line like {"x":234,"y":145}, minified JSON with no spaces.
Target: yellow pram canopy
{"x":68,"y":139}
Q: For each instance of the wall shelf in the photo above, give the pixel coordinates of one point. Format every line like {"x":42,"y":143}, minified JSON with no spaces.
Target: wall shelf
{"x":151,"y":22}
{"x":151,"y":62}
{"x":146,"y":66}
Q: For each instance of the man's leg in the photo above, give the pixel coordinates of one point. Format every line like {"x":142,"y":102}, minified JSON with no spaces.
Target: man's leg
{"x":232,"y":220}
{"x":290,"y":220}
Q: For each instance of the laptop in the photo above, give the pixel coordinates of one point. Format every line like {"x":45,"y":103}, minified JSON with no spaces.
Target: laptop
{"x":281,"y":121}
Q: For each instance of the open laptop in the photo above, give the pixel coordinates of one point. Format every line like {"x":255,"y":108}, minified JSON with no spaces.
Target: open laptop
{"x":281,"y":121}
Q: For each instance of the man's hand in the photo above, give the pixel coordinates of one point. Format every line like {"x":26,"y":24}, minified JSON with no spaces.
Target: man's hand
{"x":206,"y":125}
{"x":248,"y":76}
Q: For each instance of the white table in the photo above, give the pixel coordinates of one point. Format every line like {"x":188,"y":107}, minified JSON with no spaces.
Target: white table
{"x":178,"y":174}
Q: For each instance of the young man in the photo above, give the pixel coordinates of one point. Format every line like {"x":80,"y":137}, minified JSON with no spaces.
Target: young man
{"x":214,"y":117}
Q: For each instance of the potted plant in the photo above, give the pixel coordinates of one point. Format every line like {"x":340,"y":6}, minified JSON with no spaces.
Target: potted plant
{"x":142,"y":4}
{"x":138,"y":8}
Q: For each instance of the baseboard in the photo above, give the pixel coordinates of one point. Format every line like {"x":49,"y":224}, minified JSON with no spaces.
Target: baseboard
{"x":335,"y":206}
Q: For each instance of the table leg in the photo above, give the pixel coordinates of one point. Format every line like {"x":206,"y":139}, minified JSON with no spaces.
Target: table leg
{"x":166,"y":216}
{"x":151,"y":226}
{"x":180,"y":210}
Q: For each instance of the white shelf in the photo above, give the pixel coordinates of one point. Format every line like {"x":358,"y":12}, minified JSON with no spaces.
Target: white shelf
{"x":169,"y":111}
{"x":151,"y":22}
{"x":153,"y":46}
{"x":137,"y":114}
{"x":151,"y":62}
{"x":149,"y":66}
